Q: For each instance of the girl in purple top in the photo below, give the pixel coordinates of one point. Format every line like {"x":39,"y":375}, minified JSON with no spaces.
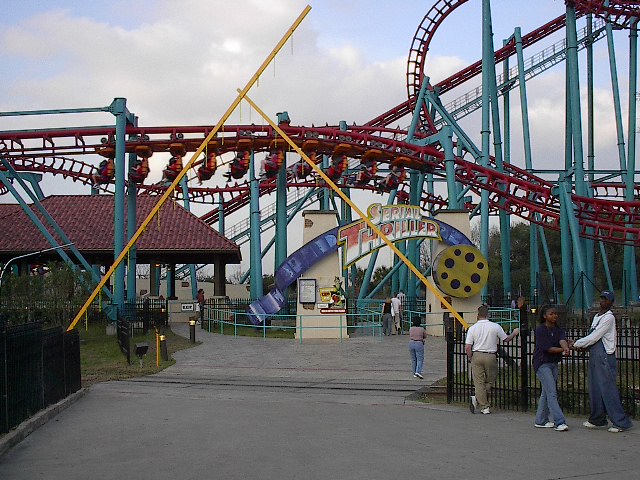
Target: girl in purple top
{"x":551,"y":344}
{"x":417,"y":334}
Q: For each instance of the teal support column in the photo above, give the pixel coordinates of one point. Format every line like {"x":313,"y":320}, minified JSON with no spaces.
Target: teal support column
{"x":171,"y":282}
{"x":255,"y":262}
{"x":487,"y":65}
{"x":221,"y":225}
{"x":565,"y":234}
{"x":505,"y":229}
{"x":154,"y":279}
{"x":446,"y":136}
{"x":324,"y":192}
{"x":576,"y":140}
{"x":569,"y":212}
{"x":497,"y":149}
{"x":131,"y":229}
{"x":534,"y":261}
{"x":119,"y":109}
{"x":349,"y":274}
{"x":628,"y":174}
{"x":416,"y":183}
{"x":281,"y":217}
{"x":630,"y":251}
{"x":192,"y":268}
{"x":590,"y":244}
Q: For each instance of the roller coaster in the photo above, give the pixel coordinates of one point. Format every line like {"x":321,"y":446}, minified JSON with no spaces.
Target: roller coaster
{"x":432,"y":163}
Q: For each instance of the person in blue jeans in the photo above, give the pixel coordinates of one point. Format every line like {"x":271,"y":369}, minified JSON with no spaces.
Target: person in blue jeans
{"x":551,"y":345}
{"x":417,"y":334}
{"x":601,"y":342}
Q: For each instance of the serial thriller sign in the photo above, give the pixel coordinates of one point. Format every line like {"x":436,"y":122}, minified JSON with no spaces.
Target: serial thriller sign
{"x":396,"y":222}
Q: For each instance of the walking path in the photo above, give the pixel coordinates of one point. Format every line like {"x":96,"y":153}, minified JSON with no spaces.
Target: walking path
{"x":242,"y":408}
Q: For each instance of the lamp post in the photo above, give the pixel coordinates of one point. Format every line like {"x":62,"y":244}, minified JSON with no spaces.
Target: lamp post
{"x":6,"y":265}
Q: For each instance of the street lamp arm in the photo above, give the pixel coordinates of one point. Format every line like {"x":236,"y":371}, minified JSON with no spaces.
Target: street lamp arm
{"x":6,"y":265}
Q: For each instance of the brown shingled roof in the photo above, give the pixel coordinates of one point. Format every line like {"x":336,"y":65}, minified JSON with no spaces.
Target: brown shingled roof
{"x":173,"y":236}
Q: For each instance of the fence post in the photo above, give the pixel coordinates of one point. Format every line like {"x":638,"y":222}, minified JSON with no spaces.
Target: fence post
{"x":525,"y":334}
{"x":450,"y":372}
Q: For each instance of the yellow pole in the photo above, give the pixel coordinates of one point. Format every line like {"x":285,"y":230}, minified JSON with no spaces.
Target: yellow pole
{"x":200,"y":149}
{"x":364,"y":217}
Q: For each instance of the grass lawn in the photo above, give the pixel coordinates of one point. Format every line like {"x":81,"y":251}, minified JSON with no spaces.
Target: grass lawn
{"x":101,"y":359}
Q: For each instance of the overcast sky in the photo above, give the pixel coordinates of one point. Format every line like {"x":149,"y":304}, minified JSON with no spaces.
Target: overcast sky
{"x":180,"y":63}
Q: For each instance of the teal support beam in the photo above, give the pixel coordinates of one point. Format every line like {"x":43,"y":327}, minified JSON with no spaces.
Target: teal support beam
{"x":588,"y":243}
{"x":171,"y":282}
{"x":505,"y":230}
{"x":255,"y":269}
{"x":4,"y":178}
{"x":565,"y":234}
{"x":629,"y":251}
{"x":221,"y":225}
{"x":446,"y":137}
{"x":485,"y":132}
{"x":416,"y":183}
{"x":570,"y":213}
{"x":192,"y":268}
{"x":497,"y":149}
{"x":415,"y":119}
{"x":119,"y":109}
{"x":324,"y":192}
{"x":534,"y":230}
{"x":576,"y":138}
{"x":281,"y":217}
{"x":132,"y":258}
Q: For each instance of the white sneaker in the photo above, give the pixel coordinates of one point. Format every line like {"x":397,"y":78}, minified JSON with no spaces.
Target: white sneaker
{"x":418,"y":375}
{"x":473,"y":404}
{"x":561,"y":428}
{"x":614,"y":429}
{"x":546,"y":425}
{"x":485,"y":411}
{"x":588,"y":424}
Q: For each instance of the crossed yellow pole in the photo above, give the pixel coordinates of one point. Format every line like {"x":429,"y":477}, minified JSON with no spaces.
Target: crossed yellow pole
{"x":169,"y":191}
{"x":364,"y":217}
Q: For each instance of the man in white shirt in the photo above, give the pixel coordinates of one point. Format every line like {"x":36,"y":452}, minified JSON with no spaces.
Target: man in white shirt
{"x":481,"y":346}
{"x":603,"y":391}
{"x":396,"y":312}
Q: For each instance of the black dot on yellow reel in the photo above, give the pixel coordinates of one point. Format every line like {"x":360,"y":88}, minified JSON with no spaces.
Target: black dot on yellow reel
{"x":461,"y":271}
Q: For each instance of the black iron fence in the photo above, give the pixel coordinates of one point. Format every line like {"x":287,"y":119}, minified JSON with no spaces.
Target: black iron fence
{"x":38,"y":367}
{"x":136,"y":318}
{"x":517,"y":388}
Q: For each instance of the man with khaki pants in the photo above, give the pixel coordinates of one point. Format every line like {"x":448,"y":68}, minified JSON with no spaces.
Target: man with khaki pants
{"x":481,"y":346}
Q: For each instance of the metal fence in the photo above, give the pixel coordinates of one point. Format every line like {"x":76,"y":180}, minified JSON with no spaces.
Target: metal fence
{"x":38,"y":367}
{"x":517,"y":387}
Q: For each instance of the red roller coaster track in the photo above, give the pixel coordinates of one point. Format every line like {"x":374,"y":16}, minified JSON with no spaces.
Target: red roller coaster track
{"x":514,"y":190}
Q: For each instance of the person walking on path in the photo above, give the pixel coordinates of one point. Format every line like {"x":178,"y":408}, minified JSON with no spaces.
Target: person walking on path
{"x":396,"y":313}
{"x":387,"y":318}
{"x":603,"y":391}
{"x":551,"y":345}
{"x":417,"y":336}
{"x":481,"y":346}
{"x":200,"y":300}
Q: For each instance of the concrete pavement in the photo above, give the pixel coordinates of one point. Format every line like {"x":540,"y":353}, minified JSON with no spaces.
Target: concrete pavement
{"x":238,"y":408}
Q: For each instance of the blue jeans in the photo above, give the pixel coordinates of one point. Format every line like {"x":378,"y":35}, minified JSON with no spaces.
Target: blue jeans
{"x":416,"y":349}
{"x":603,"y":391}
{"x":548,"y":404}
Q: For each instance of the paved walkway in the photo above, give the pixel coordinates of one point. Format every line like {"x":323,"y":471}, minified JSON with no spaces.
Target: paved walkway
{"x":242,"y":408}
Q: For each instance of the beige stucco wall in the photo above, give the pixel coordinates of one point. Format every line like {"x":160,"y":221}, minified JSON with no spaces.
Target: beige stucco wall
{"x":312,"y":323}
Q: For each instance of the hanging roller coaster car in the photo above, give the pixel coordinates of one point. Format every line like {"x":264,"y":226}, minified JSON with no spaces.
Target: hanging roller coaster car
{"x":177,"y":149}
